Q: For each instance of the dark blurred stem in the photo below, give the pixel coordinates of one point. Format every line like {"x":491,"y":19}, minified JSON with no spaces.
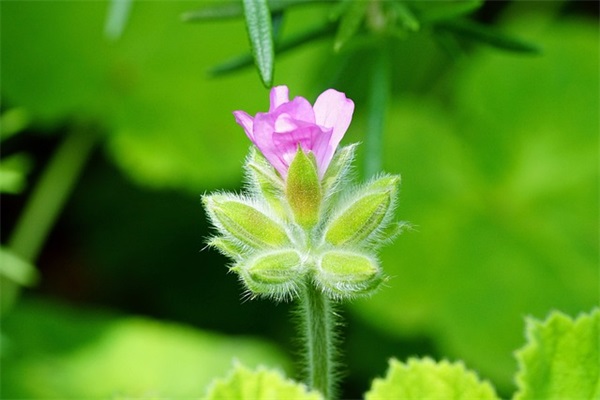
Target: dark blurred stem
{"x":379,"y":93}
{"x":318,"y":322}
{"x":51,"y":193}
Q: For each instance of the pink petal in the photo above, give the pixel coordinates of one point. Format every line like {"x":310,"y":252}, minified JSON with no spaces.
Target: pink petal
{"x":264,"y":135}
{"x":334,"y":110}
{"x":246,"y":122}
{"x":299,"y":109}
{"x":308,"y":137}
{"x":279,"y":95}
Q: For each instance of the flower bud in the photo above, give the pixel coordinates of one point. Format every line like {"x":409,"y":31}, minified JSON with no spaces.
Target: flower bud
{"x":303,"y":190}
{"x":365,"y":216}
{"x":346,"y":274}
{"x":241,"y":221}
{"x":273,"y":273}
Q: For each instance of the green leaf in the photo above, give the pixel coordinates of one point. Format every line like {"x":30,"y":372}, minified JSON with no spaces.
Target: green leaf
{"x":13,"y":173}
{"x":406,"y":17}
{"x":286,"y":44}
{"x":488,"y":35}
{"x":234,"y":9}
{"x":560,"y":359}
{"x":424,"y":379}
{"x":56,"y":351}
{"x":501,"y":184}
{"x":13,"y":121}
{"x":259,"y":26}
{"x":116,"y":18}
{"x":432,"y":11}
{"x":260,"y":384}
{"x":17,"y":269}
{"x":350,"y":23}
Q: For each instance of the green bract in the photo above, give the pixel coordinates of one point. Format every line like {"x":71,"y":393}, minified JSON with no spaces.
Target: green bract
{"x":306,"y":230}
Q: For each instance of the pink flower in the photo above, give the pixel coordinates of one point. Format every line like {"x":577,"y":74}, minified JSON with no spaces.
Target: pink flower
{"x":289,"y":124}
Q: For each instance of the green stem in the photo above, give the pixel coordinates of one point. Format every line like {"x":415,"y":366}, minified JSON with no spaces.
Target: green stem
{"x":51,"y":193}
{"x":318,"y":321}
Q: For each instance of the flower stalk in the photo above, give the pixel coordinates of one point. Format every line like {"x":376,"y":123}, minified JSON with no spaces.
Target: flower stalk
{"x":318,"y":321}
{"x":303,"y":230}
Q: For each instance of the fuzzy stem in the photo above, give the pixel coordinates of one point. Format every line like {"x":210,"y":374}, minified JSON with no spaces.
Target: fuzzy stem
{"x":318,"y":322}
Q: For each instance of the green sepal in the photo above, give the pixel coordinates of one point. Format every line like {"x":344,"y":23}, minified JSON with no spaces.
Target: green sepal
{"x":303,"y":190}
{"x":277,"y":274}
{"x":345,"y":274}
{"x":237,"y":219}
{"x":338,"y":169}
{"x":227,"y":247}
{"x":265,"y":181}
{"x":365,"y":216}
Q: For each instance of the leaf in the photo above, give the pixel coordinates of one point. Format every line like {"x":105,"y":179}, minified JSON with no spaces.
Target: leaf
{"x":234,"y":9}
{"x":282,"y":46}
{"x":260,"y":384}
{"x":560,"y":359}
{"x":258,"y":24}
{"x":13,"y":173}
{"x":433,"y":11}
{"x":144,"y":91}
{"x":501,"y":185}
{"x":117,"y":17}
{"x":488,"y":35}
{"x":61,"y":352}
{"x":16,"y":269}
{"x":350,"y":23}
{"x":407,"y":19}
{"x":423,"y":379}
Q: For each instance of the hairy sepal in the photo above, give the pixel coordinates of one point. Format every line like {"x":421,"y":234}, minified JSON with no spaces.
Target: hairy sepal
{"x":240,"y":220}
{"x":347,"y":274}
{"x":303,"y":190}
{"x":264,"y":181}
{"x":274,"y":274}
{"x":365,"y":215}
{"x":338,"y":171}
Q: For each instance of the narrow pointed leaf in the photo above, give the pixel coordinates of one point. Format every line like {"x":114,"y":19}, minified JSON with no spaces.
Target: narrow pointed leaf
{"x":406,"y":17}
{"x":258,"y":23}
{"x":234,"y":9}
{"x":245,"y":60}
{"x":488,"y":35}
{"x":433,"y":11}
{"x":116,"y":18}
{"x":350,"y":23}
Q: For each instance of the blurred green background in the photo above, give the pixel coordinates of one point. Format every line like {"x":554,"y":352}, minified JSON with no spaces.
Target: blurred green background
{"x":498,"y":153}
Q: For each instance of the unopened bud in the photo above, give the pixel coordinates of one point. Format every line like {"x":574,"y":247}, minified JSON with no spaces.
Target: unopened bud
{"x":303,"y":190}
{"x":347,"y":274}
{"x":274,"y":274}
{"x":365,"y":216}
{"x":244,"y":222}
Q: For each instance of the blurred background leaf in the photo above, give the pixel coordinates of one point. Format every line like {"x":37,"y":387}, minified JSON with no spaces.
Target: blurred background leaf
{"x":498,"y":154}
{"x":61,"y":352}
{"x":501,"y":182}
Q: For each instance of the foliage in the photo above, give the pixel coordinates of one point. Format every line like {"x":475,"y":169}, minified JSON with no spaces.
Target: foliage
{"x":497,"y":151}
{"x":261,"y":384}
{"x":53,"y":351}
{"x":559,"y":361}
